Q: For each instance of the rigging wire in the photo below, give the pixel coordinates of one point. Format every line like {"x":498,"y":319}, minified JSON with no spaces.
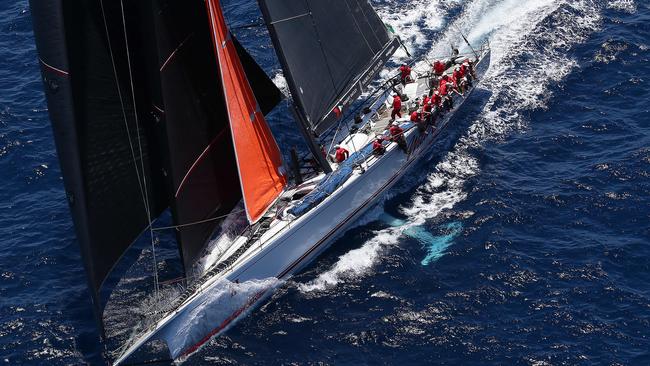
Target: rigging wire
{"x":144,"y":176}
{"x":196,"y":222}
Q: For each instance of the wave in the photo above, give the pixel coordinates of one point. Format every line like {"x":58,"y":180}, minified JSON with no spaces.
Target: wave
{"x":529,"y":55}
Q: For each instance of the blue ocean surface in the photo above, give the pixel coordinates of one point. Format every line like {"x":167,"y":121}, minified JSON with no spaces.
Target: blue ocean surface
{"x":523,"y":240}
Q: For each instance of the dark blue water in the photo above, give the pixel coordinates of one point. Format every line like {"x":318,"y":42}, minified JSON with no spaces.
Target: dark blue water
{"x":524,"y":240}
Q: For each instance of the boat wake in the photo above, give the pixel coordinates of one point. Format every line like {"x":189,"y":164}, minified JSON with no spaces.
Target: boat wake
{"x":529,"y":43}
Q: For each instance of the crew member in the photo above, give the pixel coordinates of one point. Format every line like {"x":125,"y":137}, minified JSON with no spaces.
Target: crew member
{"x":438,"y":68}
{"x":397,"y":136}
{"x":415,"y":117}
{"x":397,"y":107}
{"x":436,"y":100}
{"x":341,"y":154}
{"x":405,"y":73}
{"x":457,"y":77}
{"x":378,"y":148}
{"x":425,"y":100}
{"x":418,"y":119}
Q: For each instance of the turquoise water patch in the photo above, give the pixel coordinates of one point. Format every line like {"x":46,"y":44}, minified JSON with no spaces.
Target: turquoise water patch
{"x":435,"y":245}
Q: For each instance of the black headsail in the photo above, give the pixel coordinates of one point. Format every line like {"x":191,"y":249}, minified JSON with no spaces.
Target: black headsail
{"x":106,"y":142}
{"x":329,"y":50}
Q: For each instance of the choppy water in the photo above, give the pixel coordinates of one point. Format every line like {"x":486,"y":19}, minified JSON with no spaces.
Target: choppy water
{"x":524,"y":240}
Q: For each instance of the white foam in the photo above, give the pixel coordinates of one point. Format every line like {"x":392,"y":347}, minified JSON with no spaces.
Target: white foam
{"x":627,"y":6}
{"x":527,"y":58}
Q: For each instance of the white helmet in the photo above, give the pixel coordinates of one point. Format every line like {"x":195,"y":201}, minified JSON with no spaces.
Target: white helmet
{"x":395,"y":123}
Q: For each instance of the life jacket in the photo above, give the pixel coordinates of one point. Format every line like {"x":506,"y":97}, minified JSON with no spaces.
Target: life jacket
{"x":415,"y":117}
{"x":425,"y":101}
{"x":341,"y":154}
{"x":397,"y":102}
{"x":427,"y":108}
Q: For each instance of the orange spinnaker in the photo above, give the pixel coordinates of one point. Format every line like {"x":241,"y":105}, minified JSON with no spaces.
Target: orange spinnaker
{"x":258,"y":157}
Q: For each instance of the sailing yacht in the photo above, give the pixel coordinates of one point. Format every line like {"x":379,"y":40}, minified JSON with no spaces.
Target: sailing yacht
{"x":156,"y":106}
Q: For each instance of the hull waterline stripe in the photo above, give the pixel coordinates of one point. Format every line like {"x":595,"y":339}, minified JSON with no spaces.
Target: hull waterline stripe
{"x":52,"y":68}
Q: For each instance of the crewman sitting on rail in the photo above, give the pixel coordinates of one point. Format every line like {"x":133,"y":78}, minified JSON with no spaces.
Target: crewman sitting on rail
{"x":457,"y":78}
{"x":341,"y":154}
{"x":427,"y":113}
{"x":405,"y":74}
{"x":436,"y":100}
{"x":470,"y":66}
{"x":418,"y":119}
{"x":378,"y":148}
{"x":397,"y":107}
{"x":397,"y":136}
{"x":465,"y":69}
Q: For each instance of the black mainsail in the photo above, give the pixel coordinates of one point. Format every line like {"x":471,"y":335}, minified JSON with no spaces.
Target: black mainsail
{"x":329,"y":50}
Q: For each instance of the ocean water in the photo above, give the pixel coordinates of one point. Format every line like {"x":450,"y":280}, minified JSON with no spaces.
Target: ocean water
{"x":524,"y":239}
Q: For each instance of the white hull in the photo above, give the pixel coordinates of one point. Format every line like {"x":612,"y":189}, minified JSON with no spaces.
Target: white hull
{"x":288,"y":246}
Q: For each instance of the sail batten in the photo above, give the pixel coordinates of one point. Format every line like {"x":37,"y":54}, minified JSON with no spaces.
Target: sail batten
{"x":258,"y":156}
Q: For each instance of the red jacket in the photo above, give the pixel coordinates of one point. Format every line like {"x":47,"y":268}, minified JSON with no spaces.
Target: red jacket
{"x":341,"y":154}
{"x":436,"y":99}
{"x":415,"y":117}
{"x":426,"y":101}
{"x":427,"y":108}
{"x":406,"y":71}
{"x":463,"y":71}
{"x":438,"y":68}
{"x":397,"y":102}
{"x":443,"y":80}
{"x":395,"y":130}
{"x":376,"y":145}
{"x":456,"y":77}
{"x":444,"y":90}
